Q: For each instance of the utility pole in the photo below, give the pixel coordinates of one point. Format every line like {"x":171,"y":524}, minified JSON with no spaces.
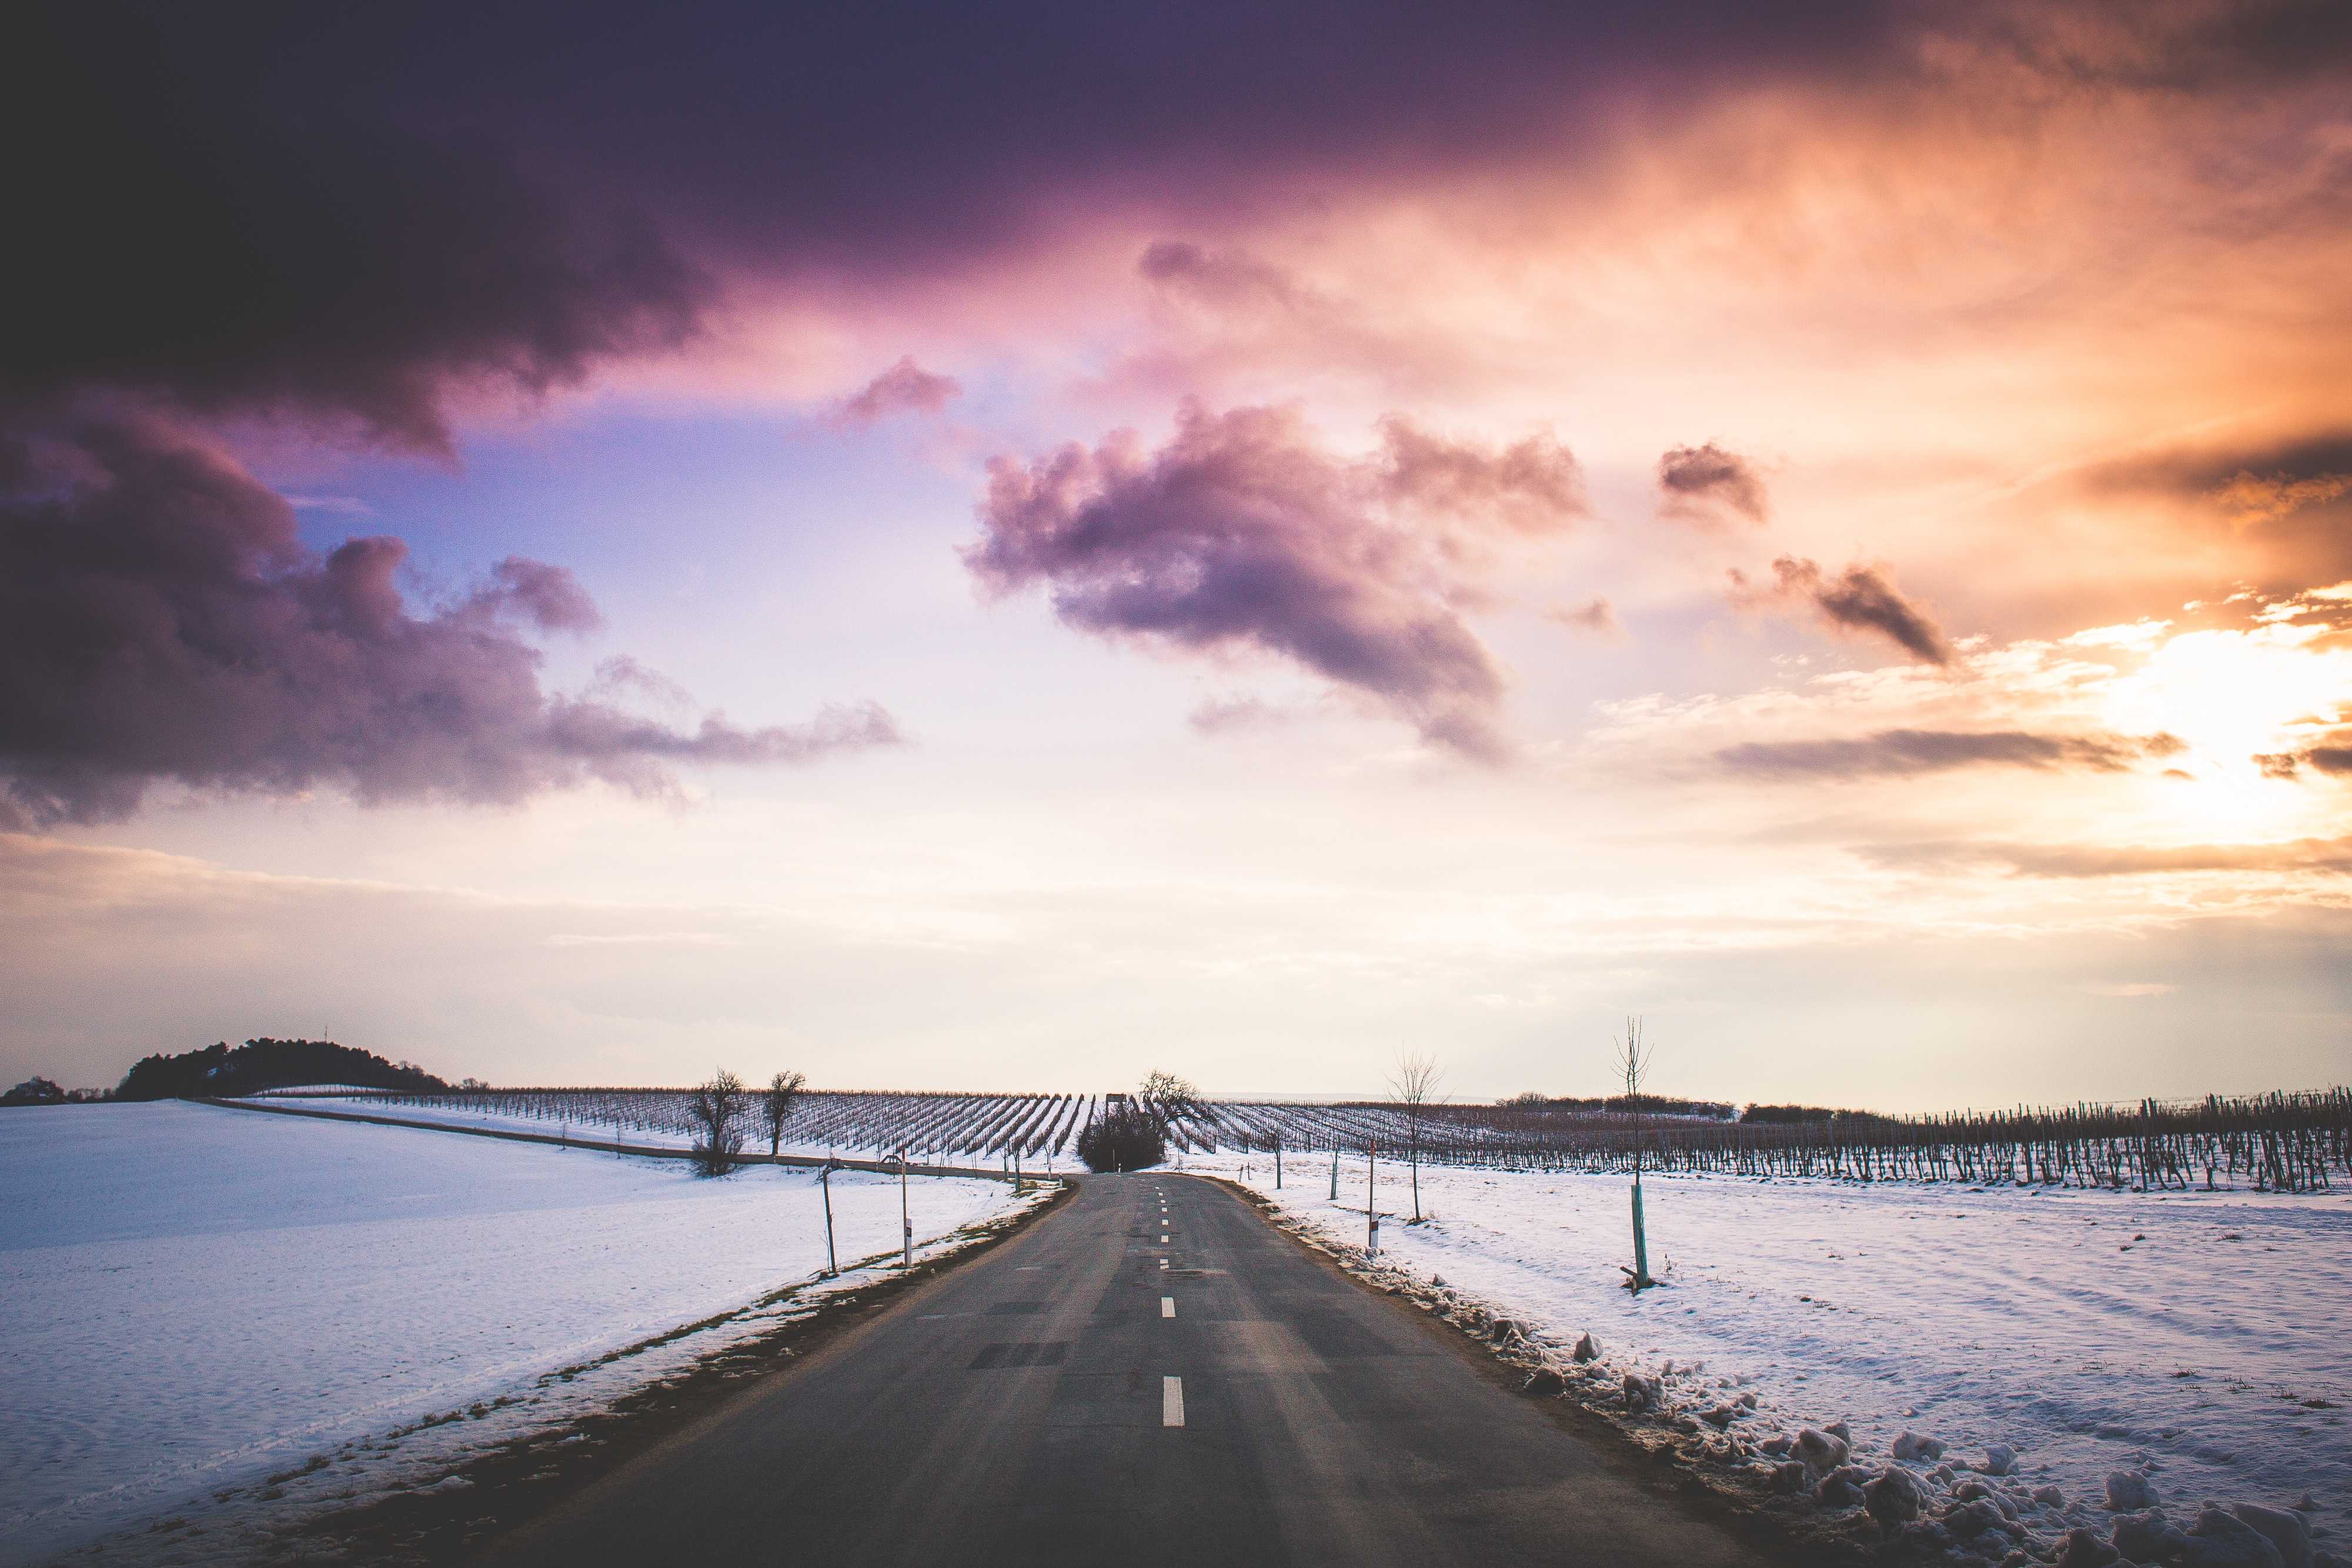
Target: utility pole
{"x":1371,"y":1200}
{"x":906,"y":1224}
{"x":825,"y":1179}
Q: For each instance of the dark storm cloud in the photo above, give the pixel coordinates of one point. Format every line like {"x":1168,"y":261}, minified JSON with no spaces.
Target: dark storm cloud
{"x":349,"y":209}
{"x":161,"y":621}
{"x":1909,"y":751}
{"x":904,"y":388}
{"x":170,"y":244}
{"x":1243,"y":532}
{"x":1861,"y":598}
{"x":1702,"y":482}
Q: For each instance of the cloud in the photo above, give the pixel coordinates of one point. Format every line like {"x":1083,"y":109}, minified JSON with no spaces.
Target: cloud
{"x":904,"y":388}
{"x":1912,"y":751}
{"x":1595,"y":614}
{"x":1232,"y":715}
{"x":1861,"y":598}
{"x":2137,"y":989}
{"x":337,"y":271}
{"x":1244,"y":533}
{"x":161,"y":620}
{"x":2086,"y":861}
{"x":2332,"y":757}
{"x":2250,"y":500}
{"x":1227,"y":279}
{"x":1703,"y":483}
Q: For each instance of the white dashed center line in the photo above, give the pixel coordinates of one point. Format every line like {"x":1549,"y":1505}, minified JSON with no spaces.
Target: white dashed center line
{"x":1171,"y":1402}
{"x":1167,"y":1306}
{"x":1164,"y":1263}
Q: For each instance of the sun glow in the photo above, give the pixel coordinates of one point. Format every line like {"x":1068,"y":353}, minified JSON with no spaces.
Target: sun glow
{"x":2242,"y":702}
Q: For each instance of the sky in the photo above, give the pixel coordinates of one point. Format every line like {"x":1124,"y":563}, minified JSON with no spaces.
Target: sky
{"x":998,"y":552}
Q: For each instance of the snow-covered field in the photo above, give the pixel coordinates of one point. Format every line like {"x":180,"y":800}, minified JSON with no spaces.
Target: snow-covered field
{"x":2202,"y":1340}
{"x":195,"y":1297}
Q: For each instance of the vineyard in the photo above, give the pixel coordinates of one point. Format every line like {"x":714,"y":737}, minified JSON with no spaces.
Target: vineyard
{"x":927,"y":1126}
{"x":2283,"y":1143}
{"x":2286,"y":1143}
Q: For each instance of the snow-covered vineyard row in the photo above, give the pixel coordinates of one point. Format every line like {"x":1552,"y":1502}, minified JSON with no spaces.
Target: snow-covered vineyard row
{"x":925,"y":1125}
{"x":2284,"y":1143}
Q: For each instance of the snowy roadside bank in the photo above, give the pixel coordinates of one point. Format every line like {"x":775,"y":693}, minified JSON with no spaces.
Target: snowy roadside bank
{"x":2194,"y":1340}
{"x":201,"y":1298}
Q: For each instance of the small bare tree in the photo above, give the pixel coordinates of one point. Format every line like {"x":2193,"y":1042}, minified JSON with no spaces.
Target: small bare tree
{"x":715,"y":1106}
{"x":776,"y":1105}
{"x":1416,"y":1075}
{"x":1633,"y":1060}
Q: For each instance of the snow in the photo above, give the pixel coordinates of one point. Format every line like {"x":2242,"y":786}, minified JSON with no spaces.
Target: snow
{"x":197,"y":1296}
{"x":2200,"y":1340}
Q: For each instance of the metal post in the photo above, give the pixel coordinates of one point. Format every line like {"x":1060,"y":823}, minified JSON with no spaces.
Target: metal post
{"x":1371,"y":1200}
{"x":1335,"y":1173}
{"x":1277,"y":1164}
{"x":906,"y":1222}
{"x":825,"y":1179}
{"x":1641,"y":1243}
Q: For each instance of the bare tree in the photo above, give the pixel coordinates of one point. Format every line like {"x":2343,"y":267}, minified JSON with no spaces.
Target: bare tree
{"x":1416,"y":1075}
{"x":714,"y":1107}
{"x":1633,"y":1059}
{"x":776,"y":1104}
{"x":1167,"y":1099}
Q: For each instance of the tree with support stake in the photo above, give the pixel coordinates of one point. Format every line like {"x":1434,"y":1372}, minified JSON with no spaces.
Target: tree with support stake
{"x":1417,"y":1074}
{"x":825,"y":1179}
{"x":905,"y":1223}
{"x":1633,"y":1057}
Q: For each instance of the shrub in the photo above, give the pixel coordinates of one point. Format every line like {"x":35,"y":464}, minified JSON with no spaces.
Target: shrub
{"x":1122,"y":1139}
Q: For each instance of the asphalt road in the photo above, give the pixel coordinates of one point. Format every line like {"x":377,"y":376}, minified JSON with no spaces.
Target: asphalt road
{"x":1024,"y":1410}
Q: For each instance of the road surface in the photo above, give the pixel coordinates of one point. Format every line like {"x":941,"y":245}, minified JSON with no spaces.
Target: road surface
{"x":1150,"y":1374}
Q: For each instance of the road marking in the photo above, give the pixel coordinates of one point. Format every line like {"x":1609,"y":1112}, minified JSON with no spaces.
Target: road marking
{"x":1167,"y":1306}
{"x":1171,"y":1402}
{"x":1164,"y":1263}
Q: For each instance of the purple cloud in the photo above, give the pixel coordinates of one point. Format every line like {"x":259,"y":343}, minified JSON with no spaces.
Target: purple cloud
{"x":1244,"y":533}
{"x":160,"y":620}
{"x":1703,"y":483}
{"x":1861,"y":598}
{"x":904,"y":388}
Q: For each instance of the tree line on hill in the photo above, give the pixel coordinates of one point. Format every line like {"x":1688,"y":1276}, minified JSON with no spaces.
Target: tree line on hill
{"x":223,"y":1071}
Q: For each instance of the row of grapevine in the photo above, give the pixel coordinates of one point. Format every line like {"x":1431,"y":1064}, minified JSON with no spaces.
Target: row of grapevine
{"x":2280,"y":1142}
{"x":2287,"y":1143}
{"x":929,"y":1127}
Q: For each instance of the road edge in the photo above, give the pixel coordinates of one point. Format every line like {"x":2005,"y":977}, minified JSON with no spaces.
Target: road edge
{"x":443,"y":1518}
